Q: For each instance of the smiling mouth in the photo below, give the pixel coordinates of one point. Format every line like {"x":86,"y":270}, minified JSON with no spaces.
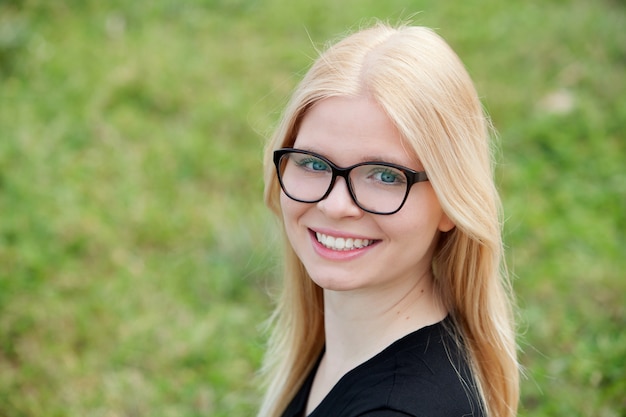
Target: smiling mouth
{"x":341,"y":243}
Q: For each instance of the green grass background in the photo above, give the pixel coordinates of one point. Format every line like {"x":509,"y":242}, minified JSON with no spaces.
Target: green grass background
{"x":136,"y":256}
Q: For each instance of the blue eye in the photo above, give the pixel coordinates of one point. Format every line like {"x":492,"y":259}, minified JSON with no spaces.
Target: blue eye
{"x":313,"y":164}
{"x":386,"y":175}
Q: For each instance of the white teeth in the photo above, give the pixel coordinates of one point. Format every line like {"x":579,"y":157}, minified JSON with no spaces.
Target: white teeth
{"x":342,"y":244}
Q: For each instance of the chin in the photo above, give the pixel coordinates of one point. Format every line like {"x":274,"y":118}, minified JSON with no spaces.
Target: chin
{"x":336,"y":283}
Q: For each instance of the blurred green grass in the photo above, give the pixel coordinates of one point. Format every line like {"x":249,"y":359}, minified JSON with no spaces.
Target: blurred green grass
{"x":136,"y":255}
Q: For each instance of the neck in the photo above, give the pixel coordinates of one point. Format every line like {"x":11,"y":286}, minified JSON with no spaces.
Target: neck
{"x":360,"y":324}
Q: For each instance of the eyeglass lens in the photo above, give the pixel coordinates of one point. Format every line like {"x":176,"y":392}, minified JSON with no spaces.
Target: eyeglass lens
{"x":376,"y":188}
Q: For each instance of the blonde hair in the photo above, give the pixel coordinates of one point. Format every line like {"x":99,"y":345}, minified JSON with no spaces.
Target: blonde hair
{"x":425,"y":90}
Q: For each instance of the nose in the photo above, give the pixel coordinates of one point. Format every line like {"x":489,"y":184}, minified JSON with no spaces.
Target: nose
{"x":339,"y":202}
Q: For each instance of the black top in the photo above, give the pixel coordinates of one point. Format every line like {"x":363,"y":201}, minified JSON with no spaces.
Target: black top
{"x":422,"y":374}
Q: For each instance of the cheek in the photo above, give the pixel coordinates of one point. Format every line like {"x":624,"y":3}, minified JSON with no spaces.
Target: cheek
{"x":291,"y":211}
{"x":287,"y":208}
{"x":297,"y":236}
{"x":411,"y":227}
{"x":422,"y":216}
{"x":415,"y":236}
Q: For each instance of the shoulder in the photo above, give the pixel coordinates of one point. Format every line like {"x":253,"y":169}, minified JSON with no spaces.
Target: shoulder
{"x":433,"y":378}
{"x":385,"y":413}
{"x":422,"y":374}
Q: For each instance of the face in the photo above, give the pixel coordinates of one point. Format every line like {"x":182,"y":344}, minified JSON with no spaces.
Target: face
{"x":343,"y":247}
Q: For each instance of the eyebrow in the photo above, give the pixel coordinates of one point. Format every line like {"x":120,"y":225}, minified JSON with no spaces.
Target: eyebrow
{"x":367,"y":158}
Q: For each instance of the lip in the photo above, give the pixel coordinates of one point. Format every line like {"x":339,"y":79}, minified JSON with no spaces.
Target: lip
{"x":337,"y":255}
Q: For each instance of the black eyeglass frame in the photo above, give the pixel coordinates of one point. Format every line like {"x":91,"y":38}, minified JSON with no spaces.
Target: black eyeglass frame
{"x":412,"y":177}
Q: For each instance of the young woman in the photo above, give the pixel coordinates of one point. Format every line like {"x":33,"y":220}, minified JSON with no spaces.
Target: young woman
{"x":395,"y":300}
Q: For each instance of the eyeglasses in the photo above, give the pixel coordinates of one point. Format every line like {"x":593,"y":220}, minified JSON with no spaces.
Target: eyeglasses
{"x":376,"y":187}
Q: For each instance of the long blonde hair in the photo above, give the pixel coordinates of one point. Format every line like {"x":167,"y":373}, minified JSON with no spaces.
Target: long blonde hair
{"x":425,"y":90}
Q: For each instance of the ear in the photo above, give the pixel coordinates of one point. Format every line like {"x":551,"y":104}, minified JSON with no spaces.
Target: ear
{"x":445,"y":224}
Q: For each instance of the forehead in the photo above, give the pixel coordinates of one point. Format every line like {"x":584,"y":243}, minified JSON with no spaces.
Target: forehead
{"x":349,"y":130}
